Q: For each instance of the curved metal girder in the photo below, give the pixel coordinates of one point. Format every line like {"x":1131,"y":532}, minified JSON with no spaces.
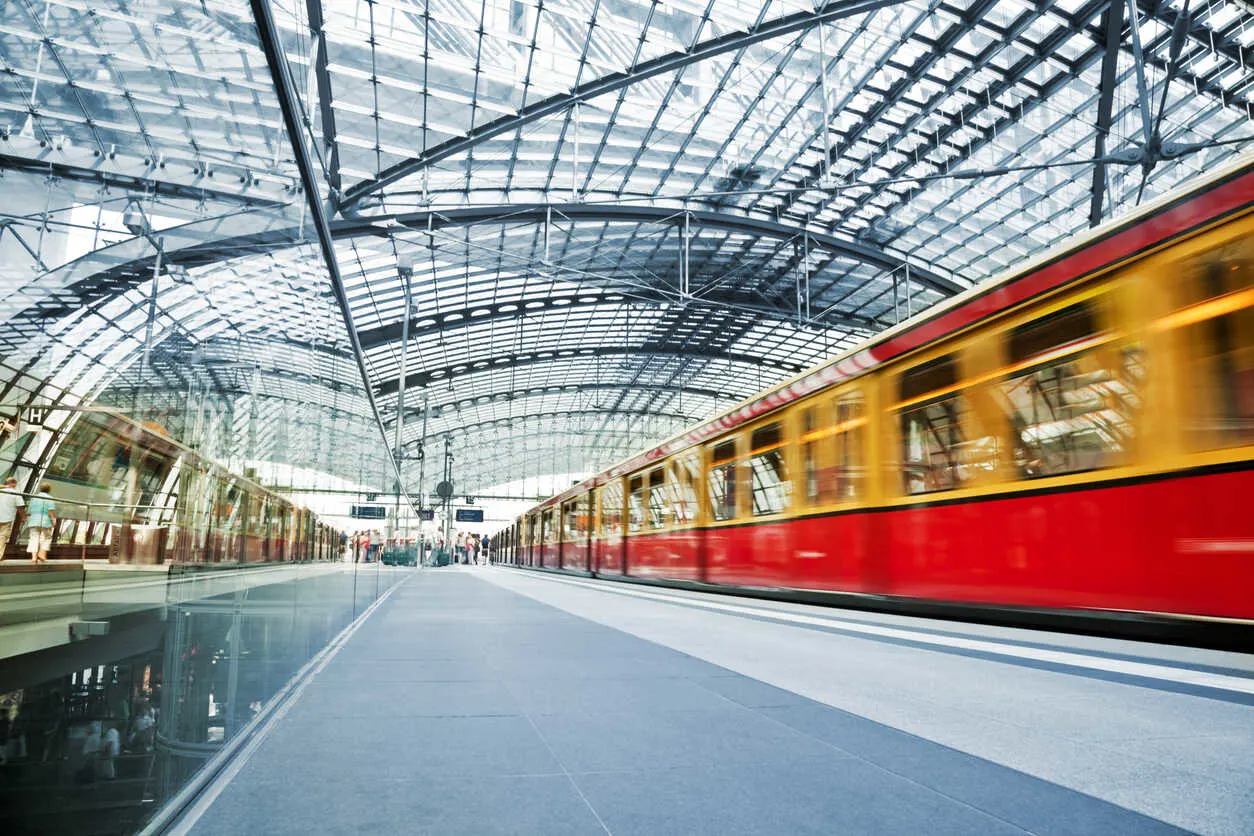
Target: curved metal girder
{"x":592,"y":212}
{"x":129,"y":262}
{"x":514,"y":361}
{"x":557,"y":413}
{"x":133,"y":175}
{"x":731,"y":42}
{"x":441,"y":409}
{"x":424,"y":326}
{"x":542,"y":459}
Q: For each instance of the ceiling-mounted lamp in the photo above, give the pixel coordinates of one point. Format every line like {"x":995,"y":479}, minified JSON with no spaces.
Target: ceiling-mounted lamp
{"x":134,"y":219}
{"x":404,"y":265}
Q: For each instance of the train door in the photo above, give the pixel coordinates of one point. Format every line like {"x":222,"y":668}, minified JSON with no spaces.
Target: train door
{"x":589,"y":521}
{"x":688,"y":535}
{"x":551,"y":526}
{"x":533,"y":540}
{"x":768,"y":541}
{"x":610,"y":539}
{"x":569,"y":529}
{"x":830,"y":545}
{"x":575,"y":534}
{"x":725,"y":550}
{"x":634,"y":524}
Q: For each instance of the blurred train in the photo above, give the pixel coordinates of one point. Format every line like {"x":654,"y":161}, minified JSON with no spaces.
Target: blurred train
{"x":1072,"y":439}
{"x":128,"y":493}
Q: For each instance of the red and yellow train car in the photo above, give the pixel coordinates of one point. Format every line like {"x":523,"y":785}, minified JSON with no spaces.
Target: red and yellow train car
{"x":1074,"y":436}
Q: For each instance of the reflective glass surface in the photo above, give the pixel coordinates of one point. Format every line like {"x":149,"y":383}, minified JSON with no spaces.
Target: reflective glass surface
{"x":161,"y":669}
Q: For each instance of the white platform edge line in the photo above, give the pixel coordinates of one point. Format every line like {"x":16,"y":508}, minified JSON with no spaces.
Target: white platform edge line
{"x":1144,"y":670}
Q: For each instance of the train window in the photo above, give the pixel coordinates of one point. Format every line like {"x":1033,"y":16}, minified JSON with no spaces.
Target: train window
{"x":1071,"y":326}
{"x":685,"y":471}
{"x":723,"y":480}
{"x":850,"y":468}
{"x":612,"y":508}
{"x":769,"y":473}
{"x":659,"y":499}
{"x":929,"y":377}
{"x":570,"y":528}
{"x":1074,"y":410}
{"x":936,"y":456}
{"x":635,"y":503}
{"x":1217,"y":328}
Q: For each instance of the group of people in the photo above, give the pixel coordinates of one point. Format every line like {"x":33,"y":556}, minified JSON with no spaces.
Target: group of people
{"x":364,"y":546}
{"x":465,"y":548}
{"x":40,"y":731}
{"x":40,"y":516}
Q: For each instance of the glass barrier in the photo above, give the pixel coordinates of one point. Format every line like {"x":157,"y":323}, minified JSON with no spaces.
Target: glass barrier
{"x":160,"y":667}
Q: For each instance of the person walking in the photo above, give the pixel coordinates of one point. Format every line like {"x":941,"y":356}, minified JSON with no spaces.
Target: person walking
{"x":10,"y":501}
{"x":43,"y":519}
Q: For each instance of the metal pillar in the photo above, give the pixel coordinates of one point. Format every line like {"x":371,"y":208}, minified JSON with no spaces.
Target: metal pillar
{"x":1105,"y":108}
{"x":447,"y":509}
{"x":827,"y":108}
{"x":422,"y":456}
{"x":685,"y":282}
{"x":405,"y":269}
{"x":271,"y":42}
{"x":145,"y":359}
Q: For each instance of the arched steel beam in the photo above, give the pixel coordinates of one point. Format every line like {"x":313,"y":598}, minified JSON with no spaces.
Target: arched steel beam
{"x":131,"y":175}
{"x":535,"y":213}
{"x":514,"y":361}
{"x":424,"y":326}
{"x":440,"y":409}
{"x":622,"y":443}
{"x":731,"y":42}
{"x":461,"y":429}
{"x":112,"y":270}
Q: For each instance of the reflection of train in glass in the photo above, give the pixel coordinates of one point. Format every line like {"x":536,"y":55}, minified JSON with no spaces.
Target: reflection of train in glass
{"x":1075,"y":436}
{"x":131,"y":494}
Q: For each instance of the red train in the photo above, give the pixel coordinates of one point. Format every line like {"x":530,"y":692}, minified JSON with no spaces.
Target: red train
{"x":1073,"y":439}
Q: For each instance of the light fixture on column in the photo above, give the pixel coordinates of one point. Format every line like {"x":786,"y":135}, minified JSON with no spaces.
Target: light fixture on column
{"x":404,"y":265}
{"x":134,"y":219}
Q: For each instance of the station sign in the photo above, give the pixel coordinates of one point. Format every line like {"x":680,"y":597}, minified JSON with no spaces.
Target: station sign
{"x":369,"y":512}
{"x":469,"y":515}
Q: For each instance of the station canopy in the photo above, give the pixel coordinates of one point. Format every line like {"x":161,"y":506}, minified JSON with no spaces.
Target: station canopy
{"x":614,"y":217}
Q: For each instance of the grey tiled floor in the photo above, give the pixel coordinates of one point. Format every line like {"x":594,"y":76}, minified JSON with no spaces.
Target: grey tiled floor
{"x":463,"y":707}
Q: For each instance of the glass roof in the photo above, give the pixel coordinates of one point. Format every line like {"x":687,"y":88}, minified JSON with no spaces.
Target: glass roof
{"x":622,"y":216}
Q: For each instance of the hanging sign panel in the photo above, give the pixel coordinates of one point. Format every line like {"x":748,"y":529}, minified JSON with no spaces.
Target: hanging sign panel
{"x":469,"y":515}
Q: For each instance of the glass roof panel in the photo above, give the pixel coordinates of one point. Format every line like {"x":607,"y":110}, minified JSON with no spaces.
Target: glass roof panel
{"x":660,"y":206}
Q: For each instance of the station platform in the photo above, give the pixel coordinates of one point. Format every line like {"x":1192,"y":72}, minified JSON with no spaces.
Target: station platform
{"x":490,"y":700}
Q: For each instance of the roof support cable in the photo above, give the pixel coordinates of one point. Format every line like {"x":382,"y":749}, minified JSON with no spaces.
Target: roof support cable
{"x":289,"y":104}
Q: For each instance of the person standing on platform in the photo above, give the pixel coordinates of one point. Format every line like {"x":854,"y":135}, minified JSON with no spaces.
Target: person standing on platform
{"x":43,"y":519}
{"x":10,"y":501}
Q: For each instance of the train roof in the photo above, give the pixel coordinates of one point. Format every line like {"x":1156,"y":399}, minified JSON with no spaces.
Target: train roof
{"x":1232,"y":186}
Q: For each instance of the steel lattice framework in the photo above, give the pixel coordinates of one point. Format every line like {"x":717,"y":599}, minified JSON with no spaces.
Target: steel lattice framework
{"x":550,"y":231}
